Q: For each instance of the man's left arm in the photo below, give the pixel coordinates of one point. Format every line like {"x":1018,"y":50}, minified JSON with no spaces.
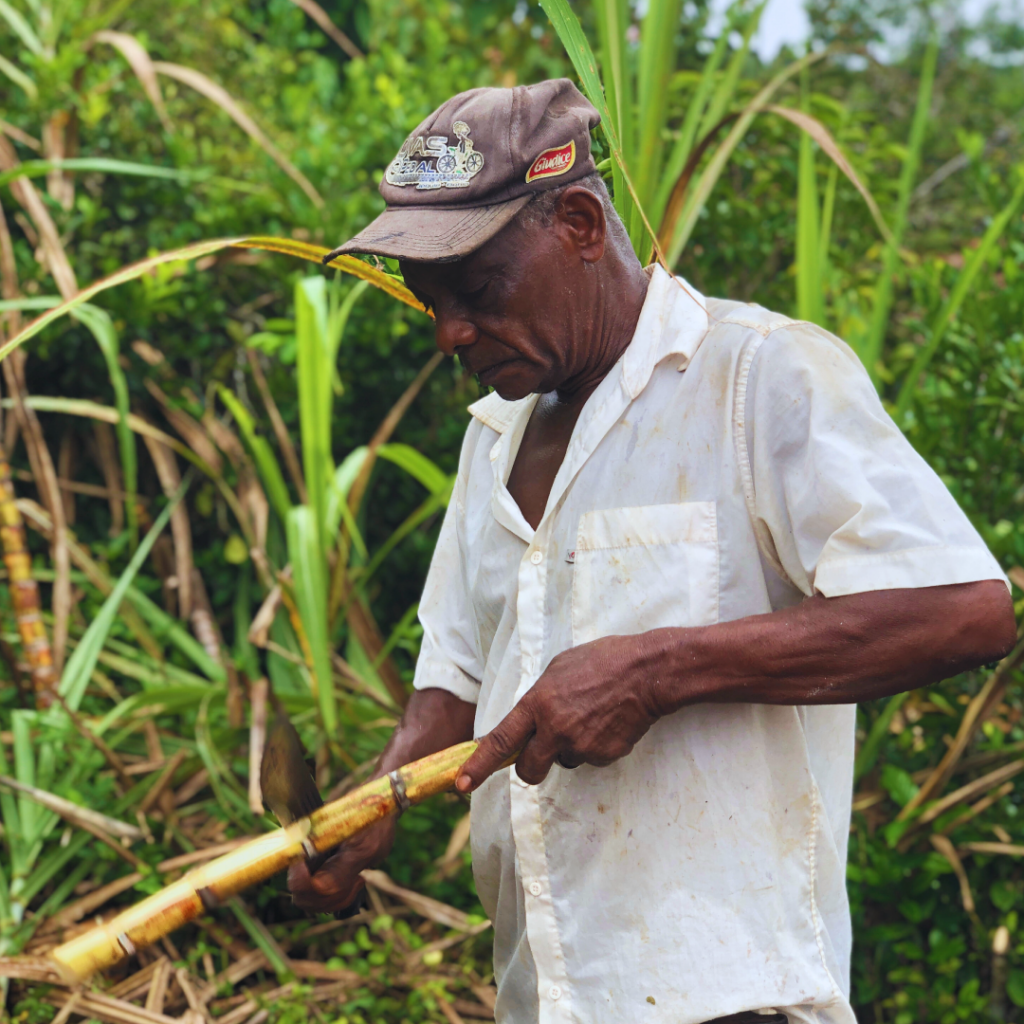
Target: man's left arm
{"x":595,"y":701}
{"x":901,"y":590}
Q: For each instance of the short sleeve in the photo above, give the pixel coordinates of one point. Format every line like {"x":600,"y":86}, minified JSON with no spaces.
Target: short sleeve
{"x":849,"y":504}
{"x":449,"y":653}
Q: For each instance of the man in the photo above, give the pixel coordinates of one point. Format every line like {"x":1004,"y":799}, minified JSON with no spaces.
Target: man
{"x":684,"y":541}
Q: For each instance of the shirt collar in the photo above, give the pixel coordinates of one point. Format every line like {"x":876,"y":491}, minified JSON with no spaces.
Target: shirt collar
{"x":673,"y":322}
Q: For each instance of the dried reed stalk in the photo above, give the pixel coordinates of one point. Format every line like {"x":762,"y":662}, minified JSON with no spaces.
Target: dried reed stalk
{"x":215,"y":882}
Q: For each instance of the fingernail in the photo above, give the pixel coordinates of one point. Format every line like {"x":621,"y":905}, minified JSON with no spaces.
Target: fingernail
{"x":463,"y":783}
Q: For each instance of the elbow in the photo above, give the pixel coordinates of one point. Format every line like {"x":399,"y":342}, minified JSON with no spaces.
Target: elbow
{"x":993,"y":623}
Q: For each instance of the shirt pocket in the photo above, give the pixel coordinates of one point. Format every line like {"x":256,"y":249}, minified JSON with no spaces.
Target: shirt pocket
{"x":644,"y":568}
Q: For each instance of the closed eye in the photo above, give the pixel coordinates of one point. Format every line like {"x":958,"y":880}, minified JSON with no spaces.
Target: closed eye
{"x":477,"y":294}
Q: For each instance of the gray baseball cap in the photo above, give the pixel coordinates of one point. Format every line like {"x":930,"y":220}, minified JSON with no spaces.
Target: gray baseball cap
{"x":471,"y":166}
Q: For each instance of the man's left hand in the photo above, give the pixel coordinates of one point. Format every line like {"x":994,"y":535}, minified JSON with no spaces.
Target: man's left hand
{"x":589,"y":707}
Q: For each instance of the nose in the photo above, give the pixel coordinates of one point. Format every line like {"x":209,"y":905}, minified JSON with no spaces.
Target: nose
{"x":452,"y":331}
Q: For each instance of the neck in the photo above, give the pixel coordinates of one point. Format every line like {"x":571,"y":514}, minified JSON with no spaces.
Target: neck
{"x":613,"y":312}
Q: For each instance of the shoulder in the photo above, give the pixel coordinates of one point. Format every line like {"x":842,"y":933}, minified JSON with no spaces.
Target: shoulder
{"x":775,"y":344}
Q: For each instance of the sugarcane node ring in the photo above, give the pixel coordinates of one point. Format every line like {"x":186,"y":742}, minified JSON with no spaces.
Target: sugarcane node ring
{"x":398,"y":789}
{"x":211,"y":884}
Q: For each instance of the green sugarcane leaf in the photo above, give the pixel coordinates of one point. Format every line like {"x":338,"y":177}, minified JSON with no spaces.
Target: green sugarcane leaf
{"x":102,"y":165}
{"x":315,"y":365}
{"x":80,"y":665}
{"x":288,"y":246}
{"x":166,"y":627}
{"x":262,"y":453}
{"x":417,"y":465}
{"x":18,"y":77}
{"x":310,"y":580}
{"x":102,"y":328}
{"x":868,"y":753}
{"x":688,"y":132}
{"x":30,"y":815}
{"x":21,"y":28}
{"x":679,"y":232}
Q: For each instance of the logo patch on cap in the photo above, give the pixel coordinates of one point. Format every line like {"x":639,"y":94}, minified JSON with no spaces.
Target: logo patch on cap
{"x":430,"y":163}
{"x":552,"y":162}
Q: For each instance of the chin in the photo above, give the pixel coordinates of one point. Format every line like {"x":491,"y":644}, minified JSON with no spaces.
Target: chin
{"x":512,"y":386}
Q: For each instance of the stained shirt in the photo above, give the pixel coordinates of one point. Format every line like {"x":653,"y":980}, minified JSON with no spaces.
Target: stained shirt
{"x":732,"y":463}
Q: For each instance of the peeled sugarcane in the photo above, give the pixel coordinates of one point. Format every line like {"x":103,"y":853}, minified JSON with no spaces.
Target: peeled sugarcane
{"x":212,"y":883}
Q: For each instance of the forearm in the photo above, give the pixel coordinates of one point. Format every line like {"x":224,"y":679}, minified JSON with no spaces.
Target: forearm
{"x":831,"y":651}
{"x":433,"y":719}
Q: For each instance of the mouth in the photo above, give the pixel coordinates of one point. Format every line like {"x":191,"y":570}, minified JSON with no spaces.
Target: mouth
{"x":488,"y":373}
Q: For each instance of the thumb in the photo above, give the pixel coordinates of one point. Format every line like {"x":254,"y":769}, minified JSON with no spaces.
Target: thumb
{"x":498,"y":748}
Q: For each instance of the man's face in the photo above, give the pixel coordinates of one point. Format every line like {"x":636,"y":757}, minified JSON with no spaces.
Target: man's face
{"x":510,"y":310}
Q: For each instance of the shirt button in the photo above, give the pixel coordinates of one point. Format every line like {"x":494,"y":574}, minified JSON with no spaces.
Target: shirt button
{"x":536,"y":558}
{"x":535,"y":889}
{"x":555,"y":992}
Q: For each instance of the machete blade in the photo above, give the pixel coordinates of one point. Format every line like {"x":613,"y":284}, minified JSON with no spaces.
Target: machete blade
{"x":287,"y":783}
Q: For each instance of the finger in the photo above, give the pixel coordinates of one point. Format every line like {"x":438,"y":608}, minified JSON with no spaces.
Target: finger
{"x":330,"y":888}
{"x":500,"y":745}
{"x":534,"y":763}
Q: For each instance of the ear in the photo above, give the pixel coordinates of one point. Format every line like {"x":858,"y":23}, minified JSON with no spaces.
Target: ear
{"x":581,"y":222}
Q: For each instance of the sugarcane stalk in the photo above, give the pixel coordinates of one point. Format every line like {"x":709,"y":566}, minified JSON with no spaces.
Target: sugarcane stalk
{"x":215,"y":882}
{"x":25,"y":592}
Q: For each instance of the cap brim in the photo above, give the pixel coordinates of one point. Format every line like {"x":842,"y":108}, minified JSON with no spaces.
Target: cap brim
{"x":431,"y":234}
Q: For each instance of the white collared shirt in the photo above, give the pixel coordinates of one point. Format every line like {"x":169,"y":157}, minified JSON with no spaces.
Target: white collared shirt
{"x":732,"y":463}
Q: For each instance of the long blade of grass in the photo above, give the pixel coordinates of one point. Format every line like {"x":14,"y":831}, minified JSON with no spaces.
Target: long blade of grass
{"x":947,"y":314}
{"x":102,"y":327}
{"x":19,"y":78}
{"x":611,"y":19}
{"x":219,"y":95}
{"x":141,"y":63}
{"x":13,"y":831}
{"x":170,"y":630}
{"x":166,"y":466}
{"x":679,"y":231}
{"x":417,"y":465}
{"x":654,"y":68}
{"x":288,"y":246}
{"x":29,"y":817}
{"x":868,"y":753}
{"x":824,"y":138}
{"x":93,"y":410}
{"x":284,"y":441}
{"x":869,"y":348}
{"x":21,"y":28}
{"x":323,"y":19}
{"x":809,"y":278}
{"x":424,"y":512}
{"x":80,"y":665}
{"x":315,"y":368}
{"x":305,"y":552}
{"x":262,"y":453}
{"x":688,"y":131}
{"x":101,"y":165}
{"x":727,"y":87}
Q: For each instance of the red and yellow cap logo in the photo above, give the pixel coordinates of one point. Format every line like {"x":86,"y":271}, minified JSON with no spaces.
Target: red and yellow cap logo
{"x":552,"y":162}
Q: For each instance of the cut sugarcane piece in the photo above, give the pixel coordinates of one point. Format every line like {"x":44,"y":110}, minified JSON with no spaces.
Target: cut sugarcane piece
{"x":211,"y":884}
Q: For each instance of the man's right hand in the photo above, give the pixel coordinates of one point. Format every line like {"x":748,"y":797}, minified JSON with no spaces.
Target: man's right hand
{"x":338,"y":882}
{"x":433,"y":719}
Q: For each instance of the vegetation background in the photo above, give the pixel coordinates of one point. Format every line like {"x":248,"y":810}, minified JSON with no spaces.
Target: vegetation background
{"x":161,"y":706}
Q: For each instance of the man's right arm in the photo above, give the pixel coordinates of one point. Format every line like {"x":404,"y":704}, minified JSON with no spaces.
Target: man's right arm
{"x":433,"y":719}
